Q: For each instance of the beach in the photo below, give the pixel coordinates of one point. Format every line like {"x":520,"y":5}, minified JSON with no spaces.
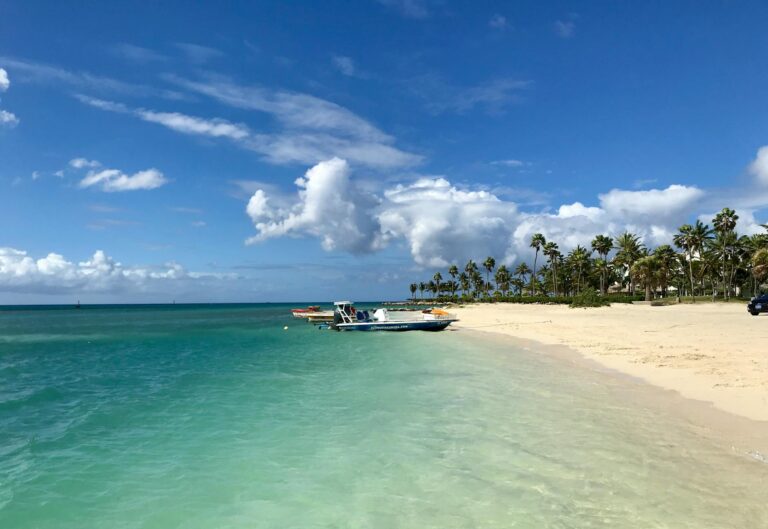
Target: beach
{"x":712,"y":352}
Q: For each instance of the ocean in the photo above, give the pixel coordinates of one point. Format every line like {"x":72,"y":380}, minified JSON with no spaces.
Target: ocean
{"x":216,"y":417}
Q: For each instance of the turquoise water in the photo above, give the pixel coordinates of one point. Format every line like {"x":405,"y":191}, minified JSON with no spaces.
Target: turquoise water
{"x":215,"y":417}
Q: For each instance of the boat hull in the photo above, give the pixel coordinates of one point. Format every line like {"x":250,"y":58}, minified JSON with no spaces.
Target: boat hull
{"x":399,"y":326}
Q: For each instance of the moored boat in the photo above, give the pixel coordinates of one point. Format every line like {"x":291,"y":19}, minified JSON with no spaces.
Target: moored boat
{"x":322,"y":316}
{"x":347,"y":318}
{"x":303,"y":313}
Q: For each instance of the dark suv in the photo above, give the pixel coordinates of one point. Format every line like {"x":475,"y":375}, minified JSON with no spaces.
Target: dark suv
{"x":758,"y":305}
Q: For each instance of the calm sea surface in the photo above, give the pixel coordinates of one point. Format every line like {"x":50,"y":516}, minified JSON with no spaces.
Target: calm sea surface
{"x":215,"y":417}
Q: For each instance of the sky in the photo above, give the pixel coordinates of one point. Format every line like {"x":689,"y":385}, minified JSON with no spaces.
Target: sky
{"x":290,"y":151}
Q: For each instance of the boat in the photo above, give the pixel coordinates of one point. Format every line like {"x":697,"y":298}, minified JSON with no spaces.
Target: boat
{"x":348,"y":318}
{"x":322,"y":316}
{"x":303,"y":313}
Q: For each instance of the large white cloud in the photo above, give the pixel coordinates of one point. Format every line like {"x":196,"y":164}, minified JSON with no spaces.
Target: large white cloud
{"x":329,"y":207}
{"x":442,"y":223}
{"x":653,"y":205}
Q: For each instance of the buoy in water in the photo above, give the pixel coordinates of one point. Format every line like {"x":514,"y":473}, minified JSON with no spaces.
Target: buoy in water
{"x":285,"y":328}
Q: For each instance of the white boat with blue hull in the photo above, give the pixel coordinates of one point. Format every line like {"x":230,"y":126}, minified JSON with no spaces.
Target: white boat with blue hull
{"x":347,"y":318}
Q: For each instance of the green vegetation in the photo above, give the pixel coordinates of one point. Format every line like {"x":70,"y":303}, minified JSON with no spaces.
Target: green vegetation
{"x":589,"y":298}
{"x":714,"y":264}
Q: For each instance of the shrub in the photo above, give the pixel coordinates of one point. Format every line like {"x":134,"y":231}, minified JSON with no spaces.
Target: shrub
{"x":589,"y":298}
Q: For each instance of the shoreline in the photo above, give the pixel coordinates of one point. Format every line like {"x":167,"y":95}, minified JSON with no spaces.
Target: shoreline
{"x":707,"y":352}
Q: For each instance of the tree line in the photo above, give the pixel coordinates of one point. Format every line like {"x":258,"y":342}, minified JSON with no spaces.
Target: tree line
{"x":704,"y":261}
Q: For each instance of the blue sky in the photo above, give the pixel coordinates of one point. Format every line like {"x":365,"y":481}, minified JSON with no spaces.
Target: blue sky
{"x":170,"y":138}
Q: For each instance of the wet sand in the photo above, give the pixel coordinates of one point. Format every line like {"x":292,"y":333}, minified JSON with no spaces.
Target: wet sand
{"x":716,"y":353}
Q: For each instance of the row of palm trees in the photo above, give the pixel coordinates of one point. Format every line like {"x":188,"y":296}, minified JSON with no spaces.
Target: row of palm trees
{"x":703,"y":261}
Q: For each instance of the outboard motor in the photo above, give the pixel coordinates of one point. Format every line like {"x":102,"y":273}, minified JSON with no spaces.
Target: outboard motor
{"x":336,"y":320}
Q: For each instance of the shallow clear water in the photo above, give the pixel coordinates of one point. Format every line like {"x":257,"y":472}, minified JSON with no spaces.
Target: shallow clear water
{"x":214,"y":417}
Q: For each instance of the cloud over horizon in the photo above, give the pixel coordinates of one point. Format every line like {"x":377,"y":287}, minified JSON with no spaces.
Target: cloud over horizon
{"x":441,"y":223}
{"x":54,"y":274}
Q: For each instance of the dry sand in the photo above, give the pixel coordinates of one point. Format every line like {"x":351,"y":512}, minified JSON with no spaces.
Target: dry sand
{"x":711,"y":352}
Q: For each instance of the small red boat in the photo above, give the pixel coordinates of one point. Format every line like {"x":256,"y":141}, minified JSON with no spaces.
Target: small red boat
{"x":303,"y":313}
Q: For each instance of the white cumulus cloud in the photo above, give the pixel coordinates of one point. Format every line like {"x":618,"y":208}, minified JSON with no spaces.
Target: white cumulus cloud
{"x":440,"y":222}
{"x":54,"y":274}
{"x":8,"y":119}
{"x":5,"y":83}
{"x":329,"y":207}
{"x":759,"y":166}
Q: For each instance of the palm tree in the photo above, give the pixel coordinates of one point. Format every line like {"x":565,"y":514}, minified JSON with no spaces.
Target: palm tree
{"x":553,"y":254}
{"x":666,"y":259}
{"x":603,"y":244}
{"x":760,"y":265}
{"x":686,"y":241}
{"x":413,"y":288}
{"x":453,"y":271}
{"x":723,"y":248}
{"x":629,"y":249}
{"x":438,"y":277}
{"x":477,"y":283}
{"x":578,"y":258}
{"x":522,"y":270}
{"x":464,"y":283}
{"x":422,"y":288}
{"x":701,"y":234}
{"x":518,"y":284}
{"x":471,"y":269}
{"x":451,"y":286}
{"x":724,"y":223}
{"x":752,"y":245}
{"x":432,"y":287}
{"x":603,"y":268}
{"x":489,"y":264}
{"x":502,"y":278}
{"x":537,"y":242}
{"x":645,"y":270}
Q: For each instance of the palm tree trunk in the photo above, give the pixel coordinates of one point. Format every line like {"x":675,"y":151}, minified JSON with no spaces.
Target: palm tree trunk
{"x":533,"y":277}
{"x":603,"y":276}
{"x":723,"y":272}
{"x":690,"y":270}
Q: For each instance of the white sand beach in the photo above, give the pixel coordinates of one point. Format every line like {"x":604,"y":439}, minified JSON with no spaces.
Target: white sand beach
{"x":711,"y":352}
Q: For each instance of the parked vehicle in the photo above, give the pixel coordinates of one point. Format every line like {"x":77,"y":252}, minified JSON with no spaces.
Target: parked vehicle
{"x":758,"y":304}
